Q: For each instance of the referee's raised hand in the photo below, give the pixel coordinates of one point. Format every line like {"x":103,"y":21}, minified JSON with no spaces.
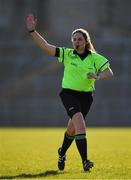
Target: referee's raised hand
{"x":31,"y":22}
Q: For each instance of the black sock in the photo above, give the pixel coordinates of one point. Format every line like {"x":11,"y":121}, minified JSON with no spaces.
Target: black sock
{"x":81,"y":143}
{"x":66,"y":143}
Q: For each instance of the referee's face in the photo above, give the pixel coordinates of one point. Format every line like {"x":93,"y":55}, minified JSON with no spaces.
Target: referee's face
{"x":79,"y":42}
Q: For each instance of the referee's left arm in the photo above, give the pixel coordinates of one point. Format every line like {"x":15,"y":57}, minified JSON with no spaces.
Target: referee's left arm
{"x":106,"y":74}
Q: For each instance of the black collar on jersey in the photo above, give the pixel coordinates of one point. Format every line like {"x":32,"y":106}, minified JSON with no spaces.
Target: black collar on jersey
{"x":84,"y":55}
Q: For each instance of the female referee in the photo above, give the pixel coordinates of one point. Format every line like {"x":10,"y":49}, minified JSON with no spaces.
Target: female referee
{"x":82,"y":67}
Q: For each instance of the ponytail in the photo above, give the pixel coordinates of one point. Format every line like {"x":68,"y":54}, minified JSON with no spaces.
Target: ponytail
{"x":90,"y":46}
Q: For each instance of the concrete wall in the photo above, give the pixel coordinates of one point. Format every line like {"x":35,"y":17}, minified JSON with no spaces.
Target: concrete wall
{"x":30,"y":81}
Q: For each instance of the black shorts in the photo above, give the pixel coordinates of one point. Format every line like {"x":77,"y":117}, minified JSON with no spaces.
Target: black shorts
{"x":75,"y":101}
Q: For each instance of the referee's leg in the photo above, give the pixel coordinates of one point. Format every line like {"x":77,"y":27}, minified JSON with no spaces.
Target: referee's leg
{"x":68,"y":137}
{"x":80,"y":139}
{"x":67,"y":141}
{"x":80,"y":134}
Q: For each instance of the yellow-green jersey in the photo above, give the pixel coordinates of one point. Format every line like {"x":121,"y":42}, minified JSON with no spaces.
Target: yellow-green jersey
{"x":76,"y":69}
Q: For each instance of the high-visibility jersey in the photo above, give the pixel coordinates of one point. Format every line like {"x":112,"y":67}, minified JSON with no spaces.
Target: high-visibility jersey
{"x":76,"y":69}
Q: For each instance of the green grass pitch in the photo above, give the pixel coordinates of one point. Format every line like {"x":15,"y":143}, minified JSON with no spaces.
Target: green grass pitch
{"x":32,"y":153}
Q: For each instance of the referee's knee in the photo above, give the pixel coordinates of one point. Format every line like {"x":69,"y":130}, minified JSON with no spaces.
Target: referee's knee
{"x":79,"y":123}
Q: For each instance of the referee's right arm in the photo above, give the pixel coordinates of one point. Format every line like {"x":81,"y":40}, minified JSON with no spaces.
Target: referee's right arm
{"x":40,"y":41}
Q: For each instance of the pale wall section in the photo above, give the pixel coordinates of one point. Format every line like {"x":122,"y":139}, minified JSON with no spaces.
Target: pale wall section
{"x":68,"y":15}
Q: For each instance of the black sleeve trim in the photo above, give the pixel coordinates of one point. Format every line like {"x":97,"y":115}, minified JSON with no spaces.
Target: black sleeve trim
{"x":63,"y":55}
{"x":95,"y":67}
{"x":57,"y":53}
{"x":103,"y":65}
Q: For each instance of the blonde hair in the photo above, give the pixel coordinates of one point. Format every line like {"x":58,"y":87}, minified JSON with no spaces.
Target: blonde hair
{"x":86,"y":35}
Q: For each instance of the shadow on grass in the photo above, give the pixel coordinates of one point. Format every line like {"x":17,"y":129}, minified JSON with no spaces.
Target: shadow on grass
{"x":44,"y":174}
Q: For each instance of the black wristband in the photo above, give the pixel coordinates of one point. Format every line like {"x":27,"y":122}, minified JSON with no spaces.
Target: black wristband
{"x":33,"y":30}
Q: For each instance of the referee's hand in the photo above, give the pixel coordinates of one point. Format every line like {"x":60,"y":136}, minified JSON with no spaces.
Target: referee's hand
{"x":31,"y":22}
{"x":92,"y":76}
